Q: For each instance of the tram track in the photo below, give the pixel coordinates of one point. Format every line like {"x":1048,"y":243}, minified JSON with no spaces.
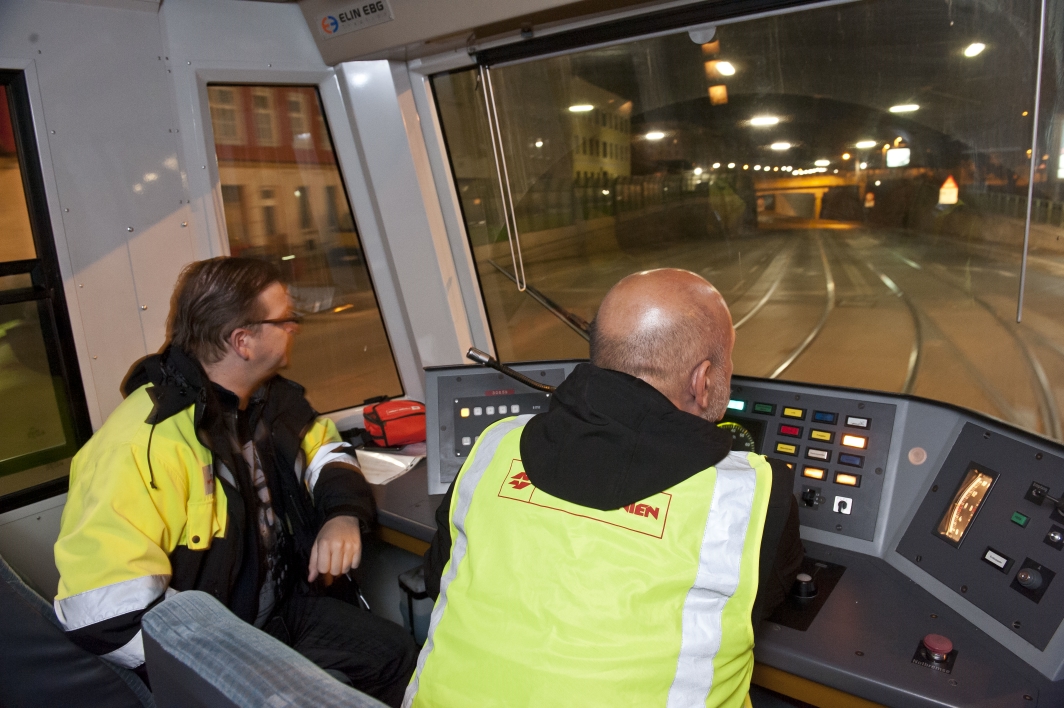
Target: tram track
{"x":1047,"y":404}
{"x":829,"y":305}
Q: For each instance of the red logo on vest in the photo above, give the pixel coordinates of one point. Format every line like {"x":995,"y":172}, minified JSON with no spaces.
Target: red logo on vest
{"x":519,"y":481}
{"x":642,"y":510}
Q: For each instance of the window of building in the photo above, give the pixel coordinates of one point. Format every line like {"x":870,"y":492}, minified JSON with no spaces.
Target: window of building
{"x":263,"y":116}
{"x":306,"y":222}
{"x":859,"y":196}
{"x":301,"y":221}
{"x":226,"y":117}
{"x":43,"y":415}
{"x":297,"y":121}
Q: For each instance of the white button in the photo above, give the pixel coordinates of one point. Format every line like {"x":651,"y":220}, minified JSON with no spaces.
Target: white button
{"x":467,"y":441}
{"x":502,"y":410}
{"x":995,"y":558}
{"x":855,"y":422}
{"x":490,"y":410}
{"x":515,"y":409}
{"x":843,"y":505}
{"x":817,"y":454}
{"x":477,"y":410}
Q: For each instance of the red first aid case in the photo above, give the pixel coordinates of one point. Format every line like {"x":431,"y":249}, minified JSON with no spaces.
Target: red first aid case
{"x":394,"y":423}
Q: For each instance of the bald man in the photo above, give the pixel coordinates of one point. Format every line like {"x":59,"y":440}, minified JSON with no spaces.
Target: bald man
{"x":614,"y":550}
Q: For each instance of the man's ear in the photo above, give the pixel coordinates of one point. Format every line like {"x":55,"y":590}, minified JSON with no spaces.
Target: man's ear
{"x":700,"y":384}
{"x":240,"y":342}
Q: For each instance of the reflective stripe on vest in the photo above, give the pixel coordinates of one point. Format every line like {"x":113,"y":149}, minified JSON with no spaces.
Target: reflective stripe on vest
{"x":645,"y":605}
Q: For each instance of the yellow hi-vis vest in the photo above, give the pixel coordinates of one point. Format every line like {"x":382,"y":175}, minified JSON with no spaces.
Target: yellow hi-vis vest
{"x":548,"y":603}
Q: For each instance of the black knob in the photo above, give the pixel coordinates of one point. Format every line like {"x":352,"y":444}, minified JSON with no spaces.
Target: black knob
{"x":1029,"y":578}
{"x":809,"y":497}
{"x":804,"y":587}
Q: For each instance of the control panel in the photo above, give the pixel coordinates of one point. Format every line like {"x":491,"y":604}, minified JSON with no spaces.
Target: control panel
{"x":464,"y":400}
{"x":986,"y":529}
{"x":934,"y":535}
{"x":838,"y":446}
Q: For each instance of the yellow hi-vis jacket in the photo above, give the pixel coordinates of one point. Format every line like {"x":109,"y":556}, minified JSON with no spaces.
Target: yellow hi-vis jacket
{"x":547,"y":603}
{"x":124,"y":520}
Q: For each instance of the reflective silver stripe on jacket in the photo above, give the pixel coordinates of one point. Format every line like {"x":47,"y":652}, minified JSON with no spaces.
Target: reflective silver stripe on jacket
{"x":327,"y":453}
{"x":463,"y":498}
{"x":719,"y":567}
{"x":93,"y":606}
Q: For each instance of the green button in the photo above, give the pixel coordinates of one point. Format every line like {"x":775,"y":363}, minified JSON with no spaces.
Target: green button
{"x":769,"y":408}
{"x":1019,"y":519}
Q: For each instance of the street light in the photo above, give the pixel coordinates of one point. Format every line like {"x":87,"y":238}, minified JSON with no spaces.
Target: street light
{"x":974,"y":49}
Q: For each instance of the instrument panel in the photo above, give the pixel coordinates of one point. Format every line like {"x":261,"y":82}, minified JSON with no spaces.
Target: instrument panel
{"x":938,"y":534}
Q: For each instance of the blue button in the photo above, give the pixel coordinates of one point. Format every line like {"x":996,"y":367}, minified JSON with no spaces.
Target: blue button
{"x":826,"y":417}
{"x":851,"y":460}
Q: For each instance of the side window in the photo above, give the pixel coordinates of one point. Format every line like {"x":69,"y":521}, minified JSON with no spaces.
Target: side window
{"x":43,"y":416}
{"x":285,"y":202}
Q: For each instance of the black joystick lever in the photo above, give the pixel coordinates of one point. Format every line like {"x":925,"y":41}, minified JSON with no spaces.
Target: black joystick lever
{"x":487,"y":360}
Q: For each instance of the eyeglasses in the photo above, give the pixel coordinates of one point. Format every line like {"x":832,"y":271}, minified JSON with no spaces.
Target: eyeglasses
{"x":281,"y":322}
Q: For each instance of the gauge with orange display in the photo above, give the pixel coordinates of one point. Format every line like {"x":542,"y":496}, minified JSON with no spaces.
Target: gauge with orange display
{"x":966,"y":502}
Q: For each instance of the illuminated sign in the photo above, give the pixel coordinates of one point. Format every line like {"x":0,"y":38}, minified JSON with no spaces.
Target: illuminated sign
{"x":898,"y":157}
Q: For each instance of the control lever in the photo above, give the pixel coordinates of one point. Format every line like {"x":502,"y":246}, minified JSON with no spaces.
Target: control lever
{"x":487,"y":360}
{"x":1039,"y":493}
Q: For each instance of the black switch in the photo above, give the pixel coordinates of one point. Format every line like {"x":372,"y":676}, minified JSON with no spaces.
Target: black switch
{"x":1037,"y":493}
{"x":809,"y":497}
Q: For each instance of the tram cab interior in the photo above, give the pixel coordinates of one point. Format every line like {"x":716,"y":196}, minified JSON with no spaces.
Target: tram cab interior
{"x":876,"y":187}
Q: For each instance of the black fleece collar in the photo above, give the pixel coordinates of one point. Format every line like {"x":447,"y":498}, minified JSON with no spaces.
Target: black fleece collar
{"x":610,"y":439}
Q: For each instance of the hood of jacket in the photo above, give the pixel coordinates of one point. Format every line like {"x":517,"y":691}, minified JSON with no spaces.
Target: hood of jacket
{"x":610,"y":439}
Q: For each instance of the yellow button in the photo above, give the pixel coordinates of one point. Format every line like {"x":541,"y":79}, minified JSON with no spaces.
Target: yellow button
{"x":850,"y":480}
{"x":820,"y":435}
{"x":793,"y":412}
{"x":814,"y":472}
{"x":785,"y":448}
{"x":855,"y":441}
{"x":464,"y":413}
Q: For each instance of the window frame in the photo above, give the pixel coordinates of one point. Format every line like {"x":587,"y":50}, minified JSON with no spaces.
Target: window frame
{"x":338,"y":129}
{"x":46,"y":290}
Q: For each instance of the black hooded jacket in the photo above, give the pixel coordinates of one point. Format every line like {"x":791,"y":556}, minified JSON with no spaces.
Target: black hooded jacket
{"x":609,"y":440}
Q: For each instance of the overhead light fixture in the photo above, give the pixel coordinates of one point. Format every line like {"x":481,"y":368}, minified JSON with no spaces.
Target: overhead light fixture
{"x":539,"y":143}
{"x":581,"y":108}
{"x":865,"y":144}
{"x":762,"y":121}
{"x":655,"y":135}
{"x":698,"y":170}
{"x":904,"y":108}
{"x":716,"y":165}
{"x":822,"y":163}
{"x":974,"y":49}
{"x":845,"y":156}
{"x":780,"y":146}
{"x":864,"y":165}
{"x":731,"y":165}
{"x":725,"y":68}
{"x":757,"y":167}
{"x":746,"y":167}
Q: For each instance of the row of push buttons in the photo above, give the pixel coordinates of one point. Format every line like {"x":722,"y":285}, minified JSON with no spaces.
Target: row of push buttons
{"x":826,"y":417}
{"x":814,"y":453}
{"x":490,"y":410}
{"x":844,"y":478}
{"x":794,"y":431}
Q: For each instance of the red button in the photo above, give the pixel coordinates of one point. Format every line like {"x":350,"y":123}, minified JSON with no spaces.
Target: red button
{"x":938,"y":645}
{"x":790,"y":430}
